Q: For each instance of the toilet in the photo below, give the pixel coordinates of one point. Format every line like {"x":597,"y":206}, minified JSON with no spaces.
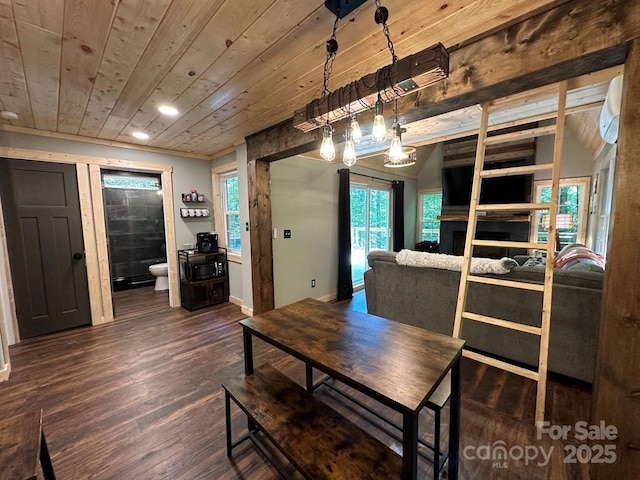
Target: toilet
{"x":161,"y":272}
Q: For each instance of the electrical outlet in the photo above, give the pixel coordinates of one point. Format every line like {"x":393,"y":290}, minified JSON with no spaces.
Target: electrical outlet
{"x":286,"y":233}
{"x":313,"y":283}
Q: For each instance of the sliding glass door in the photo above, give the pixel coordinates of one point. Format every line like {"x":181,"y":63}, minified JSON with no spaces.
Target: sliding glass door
{"x":370,"y":225}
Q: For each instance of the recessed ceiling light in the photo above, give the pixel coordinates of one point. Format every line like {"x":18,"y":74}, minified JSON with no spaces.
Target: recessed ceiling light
{"x":6,"y":114}
{"x":167,"y":110}
{"x":140,"y":135}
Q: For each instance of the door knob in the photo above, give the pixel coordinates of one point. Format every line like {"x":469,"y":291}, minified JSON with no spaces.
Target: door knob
{"x":78,"y":256}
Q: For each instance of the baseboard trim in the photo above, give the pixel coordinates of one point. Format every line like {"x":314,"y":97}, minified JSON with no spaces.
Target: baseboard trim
{"x":235,"y":300}
{"x":247,"y":311}
{"x":328,"y":298}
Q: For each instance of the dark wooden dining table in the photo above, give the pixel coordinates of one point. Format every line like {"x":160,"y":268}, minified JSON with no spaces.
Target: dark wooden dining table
{"x":396,"y":364}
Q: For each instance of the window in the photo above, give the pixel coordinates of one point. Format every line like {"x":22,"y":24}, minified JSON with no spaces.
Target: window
{"x":231,"y":210}
{"x":429,"y":210}
{"x":571,"y":221}
{"x":370,"y":225}
{"x":131,"y":181}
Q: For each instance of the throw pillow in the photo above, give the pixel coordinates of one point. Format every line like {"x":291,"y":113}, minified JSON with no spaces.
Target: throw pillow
{"x":577,"y":252}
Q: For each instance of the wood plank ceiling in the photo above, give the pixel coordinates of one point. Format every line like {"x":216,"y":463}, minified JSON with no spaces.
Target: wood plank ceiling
{"x":100,"y":69}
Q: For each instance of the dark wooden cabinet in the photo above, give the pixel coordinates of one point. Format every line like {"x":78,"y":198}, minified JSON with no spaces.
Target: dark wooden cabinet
{"x":196,"y":291}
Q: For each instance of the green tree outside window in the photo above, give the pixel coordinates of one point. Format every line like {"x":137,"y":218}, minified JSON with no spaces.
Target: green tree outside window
{"x":429,"y":223}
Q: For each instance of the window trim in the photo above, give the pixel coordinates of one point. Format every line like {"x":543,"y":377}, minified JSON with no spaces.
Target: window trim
{"x":217,"y":175}
{"x":422,"y":192}
{"x":583,"y":207}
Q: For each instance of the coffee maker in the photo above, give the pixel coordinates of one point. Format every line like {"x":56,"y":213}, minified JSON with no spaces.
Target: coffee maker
{"x":207,"y":242}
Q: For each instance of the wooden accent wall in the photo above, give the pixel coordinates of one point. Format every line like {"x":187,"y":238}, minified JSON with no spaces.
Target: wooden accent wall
{"x":259,"y":180}
{"x":616,"y":397}
{"x":463,"y":151}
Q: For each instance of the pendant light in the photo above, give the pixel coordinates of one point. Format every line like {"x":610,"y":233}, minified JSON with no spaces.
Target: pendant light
{"x":379,"y":132}
{"x":395,"y":149}
{"x":349,"y":154}
{"x":327,"y":149}
{"x":396,"y":154}
{"x":356,"y":133}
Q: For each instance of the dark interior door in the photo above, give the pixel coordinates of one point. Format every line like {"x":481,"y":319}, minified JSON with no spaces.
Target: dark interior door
{"x":46,"y":249}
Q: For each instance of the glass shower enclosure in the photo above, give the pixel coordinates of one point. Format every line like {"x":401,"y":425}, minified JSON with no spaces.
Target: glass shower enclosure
{"x":135,"y":226}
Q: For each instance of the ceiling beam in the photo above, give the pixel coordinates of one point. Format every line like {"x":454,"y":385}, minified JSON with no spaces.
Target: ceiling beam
{"x":411,"y":73}
{"x":570,"y":40}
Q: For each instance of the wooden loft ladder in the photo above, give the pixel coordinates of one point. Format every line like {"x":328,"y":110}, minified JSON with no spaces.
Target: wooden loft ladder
{"x":542,"y":332}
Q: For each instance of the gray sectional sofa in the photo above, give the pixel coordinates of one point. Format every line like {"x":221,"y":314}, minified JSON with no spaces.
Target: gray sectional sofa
{"x":426,"y":297}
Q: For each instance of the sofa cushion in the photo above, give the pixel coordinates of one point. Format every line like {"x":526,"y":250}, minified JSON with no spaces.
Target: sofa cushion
{"x":573,"y":278}
{"x":380,"y":256}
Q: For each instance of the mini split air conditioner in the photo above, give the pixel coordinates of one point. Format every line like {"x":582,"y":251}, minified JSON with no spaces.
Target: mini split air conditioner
{"x":610,"y":113}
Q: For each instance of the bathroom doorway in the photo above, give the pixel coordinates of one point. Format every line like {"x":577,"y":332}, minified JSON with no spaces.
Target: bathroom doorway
{"x":135,"y":227}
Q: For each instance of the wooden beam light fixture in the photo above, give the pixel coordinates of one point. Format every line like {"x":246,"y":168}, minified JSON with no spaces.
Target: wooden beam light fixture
{"x":370,"y":92}
{"x":408,"y":74}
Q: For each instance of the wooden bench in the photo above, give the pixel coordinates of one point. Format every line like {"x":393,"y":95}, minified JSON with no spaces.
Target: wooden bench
{"x":435,"y":403}
{"x":318,"y":441}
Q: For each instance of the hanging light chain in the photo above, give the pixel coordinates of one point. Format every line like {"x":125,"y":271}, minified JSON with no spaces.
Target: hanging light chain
{"x":332,"y":48}
{"x":381,"y":17}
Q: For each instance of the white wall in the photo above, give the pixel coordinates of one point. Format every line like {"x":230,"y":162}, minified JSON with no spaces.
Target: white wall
{"x":430,"y":176}
{"x":577,"y":160}
{"x":304,"y":199}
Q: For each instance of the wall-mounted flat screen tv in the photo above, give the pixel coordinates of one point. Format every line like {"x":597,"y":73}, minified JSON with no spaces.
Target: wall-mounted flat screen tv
{"x":457,"y":183}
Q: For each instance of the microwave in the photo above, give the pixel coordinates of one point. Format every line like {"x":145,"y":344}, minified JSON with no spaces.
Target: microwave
{"x":204,"y":271}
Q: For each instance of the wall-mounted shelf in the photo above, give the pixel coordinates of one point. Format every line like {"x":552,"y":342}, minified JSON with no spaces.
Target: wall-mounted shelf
{"x":186,"y":198}
{"x":195,"y":212}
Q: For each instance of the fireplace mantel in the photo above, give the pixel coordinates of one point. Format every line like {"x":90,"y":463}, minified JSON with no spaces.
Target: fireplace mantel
{"x":452,"y":232}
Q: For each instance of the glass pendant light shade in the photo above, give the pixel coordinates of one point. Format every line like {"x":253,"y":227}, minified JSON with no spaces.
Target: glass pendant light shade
{"x":395,"y":149}
{"x":379,"y":131}
{"x":356,"y":133}
{"x":349,"y":154}
{"x":327,"y":150}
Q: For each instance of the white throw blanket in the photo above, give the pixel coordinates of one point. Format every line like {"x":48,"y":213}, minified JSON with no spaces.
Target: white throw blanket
{"x":453,"y":262}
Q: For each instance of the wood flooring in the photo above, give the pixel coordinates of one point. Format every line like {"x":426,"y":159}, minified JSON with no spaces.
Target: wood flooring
{"x":141,"y":399}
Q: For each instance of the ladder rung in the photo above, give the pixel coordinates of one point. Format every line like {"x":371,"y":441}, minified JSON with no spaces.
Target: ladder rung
{"x":498,"y":322}
{"x":507,"y":283}
{"x":521,"y":135}
{"x":513,"y":206}
{"x":506,"y":172}
{"x":524,"y":372}
{"x":508,"y":244}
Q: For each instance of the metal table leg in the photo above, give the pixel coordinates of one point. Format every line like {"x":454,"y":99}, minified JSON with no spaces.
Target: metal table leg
{"x":454,"y":422}
{"x":410,"y":446}
{"x":309,"y":376}
{"x":248,"y":352}
{"x":247,"y":339}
